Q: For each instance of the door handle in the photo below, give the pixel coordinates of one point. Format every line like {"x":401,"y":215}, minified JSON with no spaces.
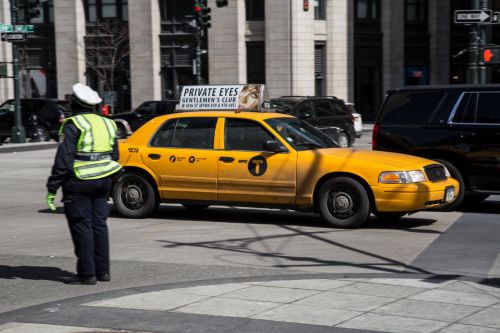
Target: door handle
{"x":154,"y":156}
{"x":226,"y":159}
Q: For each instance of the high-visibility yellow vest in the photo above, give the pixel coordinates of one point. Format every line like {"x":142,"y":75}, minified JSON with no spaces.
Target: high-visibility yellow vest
{"x":94,"y":147}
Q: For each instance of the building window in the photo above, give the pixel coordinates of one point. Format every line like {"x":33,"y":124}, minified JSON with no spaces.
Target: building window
{"x":319,"y":68}
{"x":319,"y":10}
{"x":41,"y":12}
{"x":96,"y":10}
{"x":255,"y":10}
{"x":367,"y":10}
{"x":256,"y":62}
{"x":416,"y":11}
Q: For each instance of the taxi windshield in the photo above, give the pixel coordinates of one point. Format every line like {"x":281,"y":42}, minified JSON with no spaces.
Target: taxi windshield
{"x":299,"y":134}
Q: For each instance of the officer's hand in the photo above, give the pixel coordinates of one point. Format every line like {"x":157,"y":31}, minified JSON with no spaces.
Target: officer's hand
{"x":50,"y":201}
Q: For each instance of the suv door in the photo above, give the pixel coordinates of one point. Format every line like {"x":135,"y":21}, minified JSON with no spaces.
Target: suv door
{"x":480,"y":132}
{"x":247,"y":173}
{"x":142,"y":115}
{"x":182,"y":155}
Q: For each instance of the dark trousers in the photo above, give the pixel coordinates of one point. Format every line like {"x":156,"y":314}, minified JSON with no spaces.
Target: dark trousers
{"x":86,"y":209}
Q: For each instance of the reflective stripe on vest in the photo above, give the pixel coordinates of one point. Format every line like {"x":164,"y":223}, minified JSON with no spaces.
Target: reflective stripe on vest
{"x":97,"y":135}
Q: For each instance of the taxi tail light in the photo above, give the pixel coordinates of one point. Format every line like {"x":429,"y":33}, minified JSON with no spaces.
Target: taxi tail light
{"x":376,"y":128}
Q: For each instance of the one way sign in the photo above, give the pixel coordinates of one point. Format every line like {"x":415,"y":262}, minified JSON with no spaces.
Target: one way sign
{"x":473,"y":16}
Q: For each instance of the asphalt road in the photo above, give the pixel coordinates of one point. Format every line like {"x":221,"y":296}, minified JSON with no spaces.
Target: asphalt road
{"x":177,"y":245}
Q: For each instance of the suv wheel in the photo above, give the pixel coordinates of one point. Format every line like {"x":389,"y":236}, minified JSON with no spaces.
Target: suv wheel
{"x":343,"y":140}
{"x":343,"y":202}
{"x":455,"y":173}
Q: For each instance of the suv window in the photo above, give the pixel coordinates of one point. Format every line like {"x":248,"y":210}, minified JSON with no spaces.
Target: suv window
{"x":304,"y":111}
{"x":7,"y":106}
{"x":245,"y":135}
{"x":466,"y":109}
{"x":197,"y":133}
{"x":145,"y":109}
{"x":163,"y":108}
{"x":488,"y":108}
{"x":413,"y":107}
{"x":323,"y":108}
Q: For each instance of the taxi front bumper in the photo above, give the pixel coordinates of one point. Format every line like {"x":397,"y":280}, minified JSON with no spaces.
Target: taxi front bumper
{"x":413,"y":197}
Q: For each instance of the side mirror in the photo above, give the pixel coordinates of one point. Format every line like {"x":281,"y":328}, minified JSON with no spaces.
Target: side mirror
{"x":274,"y":146}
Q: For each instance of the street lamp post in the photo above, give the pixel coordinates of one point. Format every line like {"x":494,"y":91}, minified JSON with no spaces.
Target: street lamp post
{"x":18,"y":132}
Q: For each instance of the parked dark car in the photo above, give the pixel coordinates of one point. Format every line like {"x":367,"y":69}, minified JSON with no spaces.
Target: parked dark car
{"x":330,"y":115}
{"x":458,"y":126}
{"x":41,"y":118}
{"x":128,"y":122}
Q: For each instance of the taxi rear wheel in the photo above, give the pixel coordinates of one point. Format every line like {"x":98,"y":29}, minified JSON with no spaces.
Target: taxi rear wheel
{"x":343,"y":202}
{"x":134,"y":196}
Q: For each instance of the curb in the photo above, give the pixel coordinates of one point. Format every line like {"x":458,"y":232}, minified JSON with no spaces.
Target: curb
{"x":20,"y":147}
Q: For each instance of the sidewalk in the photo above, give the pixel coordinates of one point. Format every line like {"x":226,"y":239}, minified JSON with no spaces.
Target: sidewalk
{"x":301,"y":303}
{"x":28,"y":146}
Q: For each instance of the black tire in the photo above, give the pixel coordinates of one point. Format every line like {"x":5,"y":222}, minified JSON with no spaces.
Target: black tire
{"x":455,"y":173}
{"x":195,"y":206}
{"x":40,"y":133}
{"x":343,"y":140}
{"x":343,"y":202}
{"x":389,"y":216}
{"x":134,"y":196}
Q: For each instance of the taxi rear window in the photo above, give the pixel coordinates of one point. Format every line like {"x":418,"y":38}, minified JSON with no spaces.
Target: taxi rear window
{"x":196,"y":133}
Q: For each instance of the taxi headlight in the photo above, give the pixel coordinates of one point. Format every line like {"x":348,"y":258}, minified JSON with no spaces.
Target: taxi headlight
{"x":401,"y":177}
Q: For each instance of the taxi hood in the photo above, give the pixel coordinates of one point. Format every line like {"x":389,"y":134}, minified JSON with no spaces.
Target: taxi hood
{"x":389,"y":161}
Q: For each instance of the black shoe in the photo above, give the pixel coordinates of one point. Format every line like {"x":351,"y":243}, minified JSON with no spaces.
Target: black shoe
{"x":103,"y":277}
{"x":90,"y":280}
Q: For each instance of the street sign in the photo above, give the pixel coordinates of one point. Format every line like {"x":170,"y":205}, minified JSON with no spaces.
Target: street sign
{"x":495,"y":19}
{"x":13,"y":36}
{"x":6,"y":28}
{"x":473,"y":16}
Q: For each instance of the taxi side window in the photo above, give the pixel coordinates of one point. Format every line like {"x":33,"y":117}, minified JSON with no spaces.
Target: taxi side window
{"x":243,"y":134}
{"x":197,"y":133}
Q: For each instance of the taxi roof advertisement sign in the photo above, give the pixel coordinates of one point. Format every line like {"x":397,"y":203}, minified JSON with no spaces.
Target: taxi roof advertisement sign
{"x":222,"y":97}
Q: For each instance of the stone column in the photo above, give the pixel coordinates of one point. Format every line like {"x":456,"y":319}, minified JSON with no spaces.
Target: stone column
{"x":144,"y":32}
{"x":69,"y":18}
{"x":340,"y":49}
{"x":439,"y":29}
{"x":226,"y":44}
{"x":393,"y":23}
{"x":6,"y":85}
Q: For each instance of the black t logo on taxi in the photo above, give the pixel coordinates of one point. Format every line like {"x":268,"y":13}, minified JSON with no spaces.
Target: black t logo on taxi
{"x":257,"y":166}
{"x":191,"y":159}
{"x":172,"y":158}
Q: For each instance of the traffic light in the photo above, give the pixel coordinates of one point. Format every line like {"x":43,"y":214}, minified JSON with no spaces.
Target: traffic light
{"x":203,"y":15}
{"x":34,"y":8}
{"x":221,"y":3}
{"x":491,"y":55}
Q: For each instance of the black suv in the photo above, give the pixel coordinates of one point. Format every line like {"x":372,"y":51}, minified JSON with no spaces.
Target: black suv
{"x":457,"y":125}
{"x":128,"y":122}
{"x":41,"y":118}
{"x":330,"y":115}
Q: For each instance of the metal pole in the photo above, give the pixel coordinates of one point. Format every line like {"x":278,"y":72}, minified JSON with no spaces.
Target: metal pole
{"x":18,"y":132}
{"x":198,"y":55}
{"x":482,"y":41}
{"x":472,"y":76}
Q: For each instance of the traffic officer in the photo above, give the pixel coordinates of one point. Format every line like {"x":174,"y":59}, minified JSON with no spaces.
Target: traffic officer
{"x":85,"y":161}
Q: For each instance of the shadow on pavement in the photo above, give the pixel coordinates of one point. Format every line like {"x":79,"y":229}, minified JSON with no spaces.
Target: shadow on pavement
{"x":33,"y":273}
{"x":59,"y":210}
{"x":484,"y":207}
{"x":281,"y":217}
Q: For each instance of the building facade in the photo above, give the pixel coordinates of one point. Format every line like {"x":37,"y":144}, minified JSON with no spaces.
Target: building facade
{"x":353,"y":49}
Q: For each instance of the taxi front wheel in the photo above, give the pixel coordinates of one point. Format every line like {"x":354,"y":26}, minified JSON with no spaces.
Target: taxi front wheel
{"x":343,"y":202}
{"x":134,"y":196}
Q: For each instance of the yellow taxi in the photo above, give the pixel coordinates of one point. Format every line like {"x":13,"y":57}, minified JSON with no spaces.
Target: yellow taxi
{"x":269,"y":159}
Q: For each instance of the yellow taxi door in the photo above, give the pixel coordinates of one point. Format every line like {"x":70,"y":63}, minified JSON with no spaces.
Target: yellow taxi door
{"x":182,"y":155}
{"x":247,"y":173}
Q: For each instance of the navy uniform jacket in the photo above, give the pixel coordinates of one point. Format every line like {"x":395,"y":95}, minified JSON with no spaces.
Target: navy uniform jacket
{"x":62,"y":170}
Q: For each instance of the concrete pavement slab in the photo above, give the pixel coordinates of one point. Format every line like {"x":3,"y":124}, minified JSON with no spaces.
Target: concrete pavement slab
{"x":271,"y":294}
{"x":211,"y":290}
{"x":375,"y":289}
{"x":228,"y":307}
{"x":313,"y":284}
{"x":459,"y":328}
{"x":336,"y":300}
{"x":487,"y":317}
{"x":456,"y":297}
{"x":416,"y":283}
{"x":427,"y":310}
{"x":397,"y":324}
